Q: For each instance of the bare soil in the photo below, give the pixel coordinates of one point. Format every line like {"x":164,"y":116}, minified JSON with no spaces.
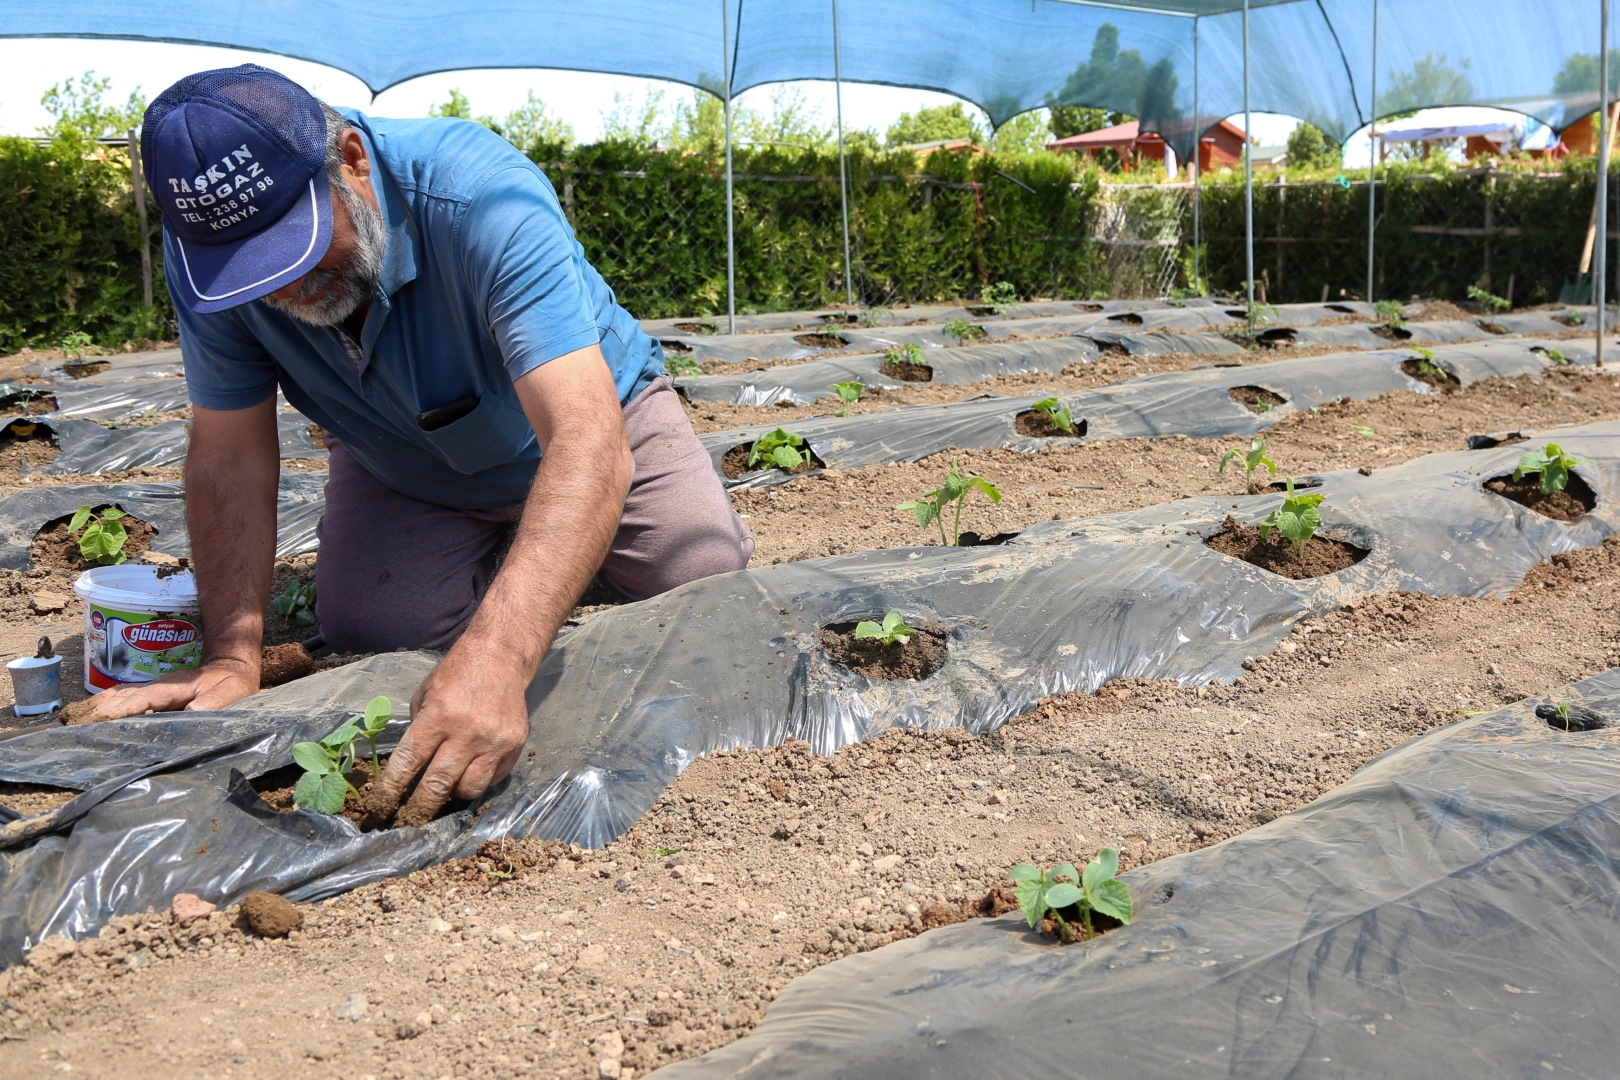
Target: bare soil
{"x":1040,"y":425}
{"x":908,"y":372}
{"x":923,"y":653}
{"x":821,"y":341}
{"x":1320,"y":556}
{"x":31,"y":799}
{"x":1576,"y":499}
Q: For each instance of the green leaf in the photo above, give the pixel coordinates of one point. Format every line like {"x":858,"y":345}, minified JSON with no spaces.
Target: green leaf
{"x":1024,"y":872}
{"x":1230,"y":454}
{"x":330,"y":793}
{"x":307,"y":790}
{"x":892,"y":620}
{"x":305,"y":618}
{"x":379,"y":710}
{"x":1113,"y":897}
{"x":312,"y":758}
{"x":987,"y":487}
{"x":867,"y":628}
{"x":1062,"y":895}
{"x":1066,"y":870}
{"x":1045,"y":405}
{"x":283,"y":605}
{"x":80,"y":516}
{"x":924,"y":512}
{"x":112,"y":513}
{"x":341,"y":738}
{"x":785,"y":457}
{"x":1100,"y":869}
{"x":1031,"y":897}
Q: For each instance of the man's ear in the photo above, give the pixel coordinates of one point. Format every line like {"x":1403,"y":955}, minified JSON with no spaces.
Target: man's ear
{"x":353,"y":148}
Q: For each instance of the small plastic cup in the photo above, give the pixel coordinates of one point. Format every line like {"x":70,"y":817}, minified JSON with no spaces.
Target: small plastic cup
{"x":37,"y":683}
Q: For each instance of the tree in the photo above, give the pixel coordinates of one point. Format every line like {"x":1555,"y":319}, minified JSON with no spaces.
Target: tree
{"x":1579,"y":75}
{"x":77,"y":112}
{"x":1121,"y":78}
{"x":1430,"y":82}
{"x":934,"y":123}
{"x":1077,"y":120}
{"x":1026,"y":133}
{"x":639,"y":121}
{"x":532,"y":125}
{"x":1309,"y":147}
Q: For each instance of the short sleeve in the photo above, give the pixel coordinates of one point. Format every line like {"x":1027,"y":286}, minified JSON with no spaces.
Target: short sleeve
{"x":226,"y":365}
{"x":521,"y":259}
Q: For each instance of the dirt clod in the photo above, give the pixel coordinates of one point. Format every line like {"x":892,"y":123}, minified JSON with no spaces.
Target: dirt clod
{"x":271,"y":916}
{"x":82,"y":712}
{"x":283,"y":663}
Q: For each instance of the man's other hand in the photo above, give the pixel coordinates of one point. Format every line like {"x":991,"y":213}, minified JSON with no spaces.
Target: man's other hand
{"x":215,"y":685}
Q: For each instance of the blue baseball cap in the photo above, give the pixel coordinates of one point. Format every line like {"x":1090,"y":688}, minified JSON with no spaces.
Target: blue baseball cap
{"x":237,"y":159}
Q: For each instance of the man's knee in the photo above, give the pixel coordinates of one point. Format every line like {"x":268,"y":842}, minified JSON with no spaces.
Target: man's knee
{"x":680,"y":560}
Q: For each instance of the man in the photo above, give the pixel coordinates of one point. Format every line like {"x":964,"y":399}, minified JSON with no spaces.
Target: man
{"x":414,"y":287}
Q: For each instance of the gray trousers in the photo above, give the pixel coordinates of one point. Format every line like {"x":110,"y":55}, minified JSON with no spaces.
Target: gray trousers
{"x":415,"y":583}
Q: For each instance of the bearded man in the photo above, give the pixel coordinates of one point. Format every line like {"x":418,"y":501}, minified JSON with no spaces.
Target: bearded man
{"x":414,"y":287}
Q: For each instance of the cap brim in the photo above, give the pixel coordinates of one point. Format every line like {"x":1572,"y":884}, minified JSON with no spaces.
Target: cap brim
{"x":220,"y":276}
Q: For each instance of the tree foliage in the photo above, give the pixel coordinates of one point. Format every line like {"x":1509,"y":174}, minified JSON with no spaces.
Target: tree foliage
{"x":1309,"y":147}
{"x":933,"y":123}
{"x":1430,"y":82}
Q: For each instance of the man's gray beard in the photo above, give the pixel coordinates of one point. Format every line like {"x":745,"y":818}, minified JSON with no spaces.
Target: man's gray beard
{"x":353,"y":282}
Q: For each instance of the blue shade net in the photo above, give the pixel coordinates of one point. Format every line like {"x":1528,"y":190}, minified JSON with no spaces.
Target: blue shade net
{"x":1308,"y":58}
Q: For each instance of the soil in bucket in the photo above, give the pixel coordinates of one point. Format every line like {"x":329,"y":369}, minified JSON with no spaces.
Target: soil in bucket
{"x":276,"y":788}
{"x":55,"y":548}
{"x":1275,"y":552}
{"x":1257,"y":399}
{"x":906,"y":372}
{"x":918,"y":658}
{"x":1041,"y":426}
{"x":735,"y":463}
{"x":1576,"y":499}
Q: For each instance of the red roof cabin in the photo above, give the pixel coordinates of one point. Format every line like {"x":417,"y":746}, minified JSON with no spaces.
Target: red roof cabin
{"x":1221,"y":146}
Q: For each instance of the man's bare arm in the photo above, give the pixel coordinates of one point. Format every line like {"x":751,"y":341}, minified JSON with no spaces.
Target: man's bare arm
{"x":470,"y":718}
{"x":232,"y":467}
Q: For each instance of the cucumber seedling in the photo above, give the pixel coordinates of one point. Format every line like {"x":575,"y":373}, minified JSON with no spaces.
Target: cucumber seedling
{"x":1255,"y":458}
{"x":102,"y":542}
{"x":1061,"y":416}
{"x":326,"y":764}
{"x":1575,"y":317}
{"x":1555,"y":355}
{"x":681,"y":365}
{"x":1390,"y":311}
{"x":74,"y":345}
{"x":1041,"y":893}
{"x":1492,"y":303}
{"x":778,"y":449}
{"x":1297,"y":519}
{"x":1426,"y":365}
{"x":931,"y":507}
{"x":849,"y":391}
{"x":1002,"y":297}
{"x":963,"y":331}
{"x":874,"y":316}
{"x":1551,"y":463}
{"x":907,"y":355}
{"x":297,"y":604}
{"x":891,"y":631}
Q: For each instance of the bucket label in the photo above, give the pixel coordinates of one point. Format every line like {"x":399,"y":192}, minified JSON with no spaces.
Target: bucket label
{"x":137,"y":646}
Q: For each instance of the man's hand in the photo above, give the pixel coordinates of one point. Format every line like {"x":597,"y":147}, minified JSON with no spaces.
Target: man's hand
{"x":215,"y":685}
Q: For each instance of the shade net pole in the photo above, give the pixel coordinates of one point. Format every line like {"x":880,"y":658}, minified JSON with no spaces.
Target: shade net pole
{"x":843,"y":173}
{"x":1372,"y":169}
{"x":1197,"y":166}
{"x":1248,"y":174}
{"x":731,"y":233}
{"x":1600,"y":267}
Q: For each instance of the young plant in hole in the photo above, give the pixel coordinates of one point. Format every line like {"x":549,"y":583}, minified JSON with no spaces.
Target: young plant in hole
{"x":1297,"y":519}
{"x":1258,"y":313}
{"x":326,"y":764}
{"x":1041,"y":893}
{"x":1062,"y":416}
{"x":1561,"y":713}
{"x":297,"y":604}
{"x":903,"y":355}
{"x":75,"y":345}
{"x":779,"y":449}
{"x":849,"y":391}
{"x":102,"y":543}
{"x":891,"y":631}
{"x":963,"y":331}
{"x":873,"y":316}
{"x":1551,"y":463}
{"x":1492,"y":303}
{"x":1255,"y":458}
{"x":1555,"y":355}
{"x":1426,"y":364}
{"x":1575,"y":317}
{"x":1390,"y":312}
{"x":931,"y":507}
{"x":681,"y":365}
{"x":1002,"y":297}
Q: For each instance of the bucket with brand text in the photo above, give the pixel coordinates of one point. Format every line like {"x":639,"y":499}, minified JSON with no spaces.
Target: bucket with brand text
{"x":140,"y":622}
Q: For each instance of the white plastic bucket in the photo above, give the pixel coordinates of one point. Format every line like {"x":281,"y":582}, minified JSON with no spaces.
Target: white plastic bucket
{"x":138,"y":625}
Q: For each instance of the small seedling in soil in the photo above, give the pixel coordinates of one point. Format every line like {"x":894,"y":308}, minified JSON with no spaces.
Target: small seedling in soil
{"x":892,"y":631}
{"x":900,"y":356}
{"x":1425,"y":367}
{"x":326,"y":764}
{"x":963,"y":331}
{"x":1002,"y":297}
{"x":1061,"y":416}
{"x":1575,"y":317}
{"x":1493,"y":304}
{"x":779,"y":449}
{"x":1555,"y":355}
{"x":1044,"y":893}
{"x":681,"y":365}
{"x":931,"y":507}
{"x":1255,"y":458}
{"x":75,"y":345}
{"x":1553,"y":465}
{"x":297,"y":604}
{"x":102,"y":543}
{"x":1297,"y":519}
{"x":1359,"y":429}
{"x":849,"y":391}
{"x":874,"y":316}
{"x":1258,"y":313}
{"x":1390,"y":312}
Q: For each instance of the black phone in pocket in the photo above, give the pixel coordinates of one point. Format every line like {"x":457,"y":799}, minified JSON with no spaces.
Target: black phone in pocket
{"x":445,"y":415}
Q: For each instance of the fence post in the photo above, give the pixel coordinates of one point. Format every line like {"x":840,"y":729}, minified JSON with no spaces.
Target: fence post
{"x":138,"y":182}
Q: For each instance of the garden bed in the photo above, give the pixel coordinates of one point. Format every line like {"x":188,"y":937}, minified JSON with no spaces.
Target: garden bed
{"x":1319,"y":556}
{"x":1570,"y":504}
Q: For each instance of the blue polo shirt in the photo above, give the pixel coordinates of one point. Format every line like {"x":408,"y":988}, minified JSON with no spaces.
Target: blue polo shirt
{"x":482,"y":282}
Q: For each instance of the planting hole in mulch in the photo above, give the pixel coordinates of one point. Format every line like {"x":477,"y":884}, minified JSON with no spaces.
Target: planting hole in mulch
{"x":1129,"y":318}
{"x":841,"y":318}
{"x":1390,"y":333}
{"x":1575,"y":717}
{"x":973,"y":539}
{"x":1270,"y":339}
{"x":1301,"y":483}
{"x":1576,"y":499}
{"x":276,"y":789}
{"x":1276,"y":553}
{"x":918,"y":658}
{"x":735,"y":463}
{"x":1041,"y":426}
{"x":820,"y":341}
{"x":679,"y":348}
{"x":905,"y":372}
{"x":1445,"y":382}
{"x":696,"y":328}
{"x":1342,"y":310}
{"x":1257,"y":399}
{"x":1490,"y":442}
{"x":28,"y":403}
{"x":1492,"y":328}
{"x":80,"y":369}
{"x":1567,"y":321}
{"x":1074,"y":931}
{"x":31,"y":800}
{"x":57,"y":549}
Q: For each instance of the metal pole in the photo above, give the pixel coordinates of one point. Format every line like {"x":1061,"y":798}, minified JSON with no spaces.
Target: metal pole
{"x":1600,"y":268}
{"x":731,"y":233}
{"x":139,"y":183}
{"x":1372,"y":171}
{"x":1197,"y":166}
{"x":1248,"y":173}
{"x":843,"y":183}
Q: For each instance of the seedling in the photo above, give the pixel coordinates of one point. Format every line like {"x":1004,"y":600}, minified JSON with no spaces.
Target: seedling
{"x":1390,"y":312}
{"x":1493,"y":304}
{"x":297,"y":604}
{"x":779,"y":449}
{"x":1255,"y":458}
{"x":102,"y":543}
{"x":902,"y":355}
{"x":326,"y":764}
{"x":1553,"y":465}
{"x":874,"y":316}
{"x":682,"y":365}
{"x":1359,"y":429}
{"x":1002,"y":297}
{"x":1555,"y":355}
{"x":931,"y":507}
{"x":1041,"y":893}
{"x":849,"y":391}
{"x":75,"y":345}
{"x":1297,"y":519}
{"x":1561,"y":713}
{"x":1062,"y":416}
{"x":1258,"y":313}
{"x":1426,"y":364}
{"x":1575,"y":317}
{"x":963,"y":331}
{"x":892,"y":631}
